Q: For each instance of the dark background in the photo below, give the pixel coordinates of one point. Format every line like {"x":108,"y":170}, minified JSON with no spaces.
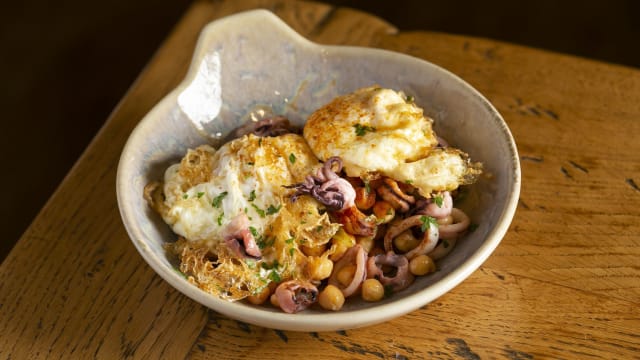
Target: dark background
{"x":64,"y":65}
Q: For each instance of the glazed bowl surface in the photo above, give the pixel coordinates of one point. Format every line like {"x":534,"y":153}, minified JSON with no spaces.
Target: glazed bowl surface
{"x":253,"y":62}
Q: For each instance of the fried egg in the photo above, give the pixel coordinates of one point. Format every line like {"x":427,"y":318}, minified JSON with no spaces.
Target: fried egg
{"x":376,"y":130}
{"x":209,"y":187}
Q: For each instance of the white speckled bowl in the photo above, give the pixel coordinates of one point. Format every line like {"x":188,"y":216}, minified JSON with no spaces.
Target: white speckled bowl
{"x":253,"y":60}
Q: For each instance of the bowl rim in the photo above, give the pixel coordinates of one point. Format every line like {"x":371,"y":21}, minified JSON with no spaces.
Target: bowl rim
{"x":325,"y":321}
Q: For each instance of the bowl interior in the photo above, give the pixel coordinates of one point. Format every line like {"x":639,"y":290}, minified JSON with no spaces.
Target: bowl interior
{"x":251,"y":63}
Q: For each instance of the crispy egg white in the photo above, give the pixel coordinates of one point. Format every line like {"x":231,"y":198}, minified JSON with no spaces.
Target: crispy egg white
{"x":210,"y":187}
{"x":377,"y":130}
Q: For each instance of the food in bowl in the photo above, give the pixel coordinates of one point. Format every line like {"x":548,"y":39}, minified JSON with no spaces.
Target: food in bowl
{"x":357,"y":205}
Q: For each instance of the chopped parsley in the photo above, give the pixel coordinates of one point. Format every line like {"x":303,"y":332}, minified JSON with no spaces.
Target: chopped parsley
{"x":438,"y":200}
{"x":220,"y":217}
{"x":263,"y":241}
{"x":272,"y":209}
{"x":291,"y":251}
{"x":408,"y":181}
{"x":254,"y":232}
{"x":200,"y":194}
{"x":218,"y":199}
{"x":252,"y":196}
{"x":292,"y":158}
{"x":445,"y":243}
{"x":251,"y":264}
{"x":361,"y":130}
{"x":258,"y":210}
{"x":274,"y":265}
{"x":409,"y":98}
{"x":289,"y":241}
{"x":367,"y":187}
{"x":274,"y":276}
{"x":427,"y":221}
{"x":185,"y":195}
{"x":473,"y":227}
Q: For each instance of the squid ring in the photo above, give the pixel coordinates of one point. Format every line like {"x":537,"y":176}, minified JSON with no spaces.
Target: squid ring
{"x":402,"y":278}
{"x":357,"y":255}
{"x":460,"y":223}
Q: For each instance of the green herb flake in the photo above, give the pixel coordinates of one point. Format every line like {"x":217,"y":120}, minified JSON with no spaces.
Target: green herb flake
{"x":200,"y":194}
{"x":291,"y":251}
{"x":361,"y":130}
{"x":220,"y":217}
{"x":445,"y":243}
{"x":292,"y":158}
{"x":218,"y":199}
{"x":264,"y":242}
{"x":427,"y":221}
{"x":258,"y":210}
{"x":408,"y":181}
{"x":252,"y":196}
{"x":473,"y":227}
{"x":410,"y":99}
{"x":367,"y":187}
{"x":254,"y":232}
{"x":439,"y":200}
{"x":251,"y":264}
{"x":185,"y":196}
{"x":274,"y":276}
{"x":272,"y":209}
{"x":290,"y":241}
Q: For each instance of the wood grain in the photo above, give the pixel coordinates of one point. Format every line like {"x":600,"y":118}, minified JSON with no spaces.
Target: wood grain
{"x":564,"y":283}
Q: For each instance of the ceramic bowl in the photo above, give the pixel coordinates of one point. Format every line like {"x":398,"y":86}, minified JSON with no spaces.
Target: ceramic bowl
{"x":251,"y":62}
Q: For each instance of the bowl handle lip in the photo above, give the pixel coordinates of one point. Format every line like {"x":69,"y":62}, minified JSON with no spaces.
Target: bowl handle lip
{"x":208,"y":32}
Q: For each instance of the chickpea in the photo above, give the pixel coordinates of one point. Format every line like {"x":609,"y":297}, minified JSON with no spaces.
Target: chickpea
{"x":345,"y":275}
{"x":342,"y":241}
{"x":313,"y":250}
{"x":372,"y":290}
{"x":405,"y":241}
{"x":367,"y":242}
{"x":319,"y":268}
{"x":274,"y":300}
{"x":364,"y":198}
{"x":261,"y":297}
{"x":445,"y":220}
{"x":331,"y":298}
{"x":422,"y":265}
{"x":384,"y":212}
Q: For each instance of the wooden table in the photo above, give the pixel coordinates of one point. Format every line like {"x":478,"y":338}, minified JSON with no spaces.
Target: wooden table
{"x":564,"y":283}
